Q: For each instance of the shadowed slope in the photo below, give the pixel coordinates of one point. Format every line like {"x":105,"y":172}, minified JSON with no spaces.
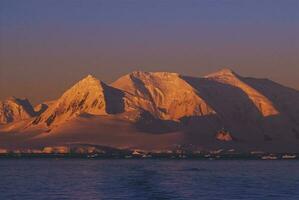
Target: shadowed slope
{"x":235,"y":111}
{"x":247,"y":109}
{"x":114,"y":99}
{"x":286,"y":100}
{"x":227,"y":76}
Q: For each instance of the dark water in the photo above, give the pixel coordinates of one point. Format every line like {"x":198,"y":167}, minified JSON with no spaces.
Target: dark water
{"x":148,"y":179}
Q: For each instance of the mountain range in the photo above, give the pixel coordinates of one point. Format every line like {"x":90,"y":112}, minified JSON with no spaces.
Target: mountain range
{"x":158,"y":111}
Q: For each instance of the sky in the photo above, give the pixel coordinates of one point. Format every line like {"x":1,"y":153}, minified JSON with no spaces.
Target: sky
{"x":46,"y":46}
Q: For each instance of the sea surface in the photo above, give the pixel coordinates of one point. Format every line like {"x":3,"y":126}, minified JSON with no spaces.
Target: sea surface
{"x":148,"y":179}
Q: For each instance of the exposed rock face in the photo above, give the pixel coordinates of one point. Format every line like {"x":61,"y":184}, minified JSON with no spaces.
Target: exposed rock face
{"x":41,"y":108}
{"x":14,"y":109}
{"x":224,"y":136}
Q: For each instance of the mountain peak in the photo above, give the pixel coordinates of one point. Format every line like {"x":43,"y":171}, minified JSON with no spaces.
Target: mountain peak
{"x":165,"y":95}
{"x":91,"y":79}
{"x":86,"y":84}
{"x":89,"y":84}
{"x":146,"y":75}
{"x":89,"y":95}
{"x":11,"y":98}
{"x":138,"y":73}
{"x":89,"y":76}
{"x":229,"y":77}
{"x":17,"y":100}
{"x":227,"y":70}
{"x":223,"y":72}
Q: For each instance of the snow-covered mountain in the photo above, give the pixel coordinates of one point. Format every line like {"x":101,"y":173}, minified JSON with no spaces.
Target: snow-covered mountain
{"x":14,"y":109}
{"x":165,"y":95}
{"x":160,"y":109}
{"x":262,"y":103}
{"x":89,"y":96}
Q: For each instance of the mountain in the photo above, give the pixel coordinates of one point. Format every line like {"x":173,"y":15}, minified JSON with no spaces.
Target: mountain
{"x":165,"y":95}
{"x":89,"y":96}
{"x":248,"y":112}
{"x":160,"y":110}
{"x":227,"y":76}
{"x":15,"y":109}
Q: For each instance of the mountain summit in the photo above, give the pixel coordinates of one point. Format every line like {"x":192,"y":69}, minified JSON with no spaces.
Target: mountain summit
{"x":159,"y":110}
{"x":262,"y":103}
{"x":223,"y":72}
{"x":89,"y":95}
{"x":164,"y":94}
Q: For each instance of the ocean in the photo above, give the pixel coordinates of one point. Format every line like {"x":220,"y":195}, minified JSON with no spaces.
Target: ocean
{"x":151,"y":179}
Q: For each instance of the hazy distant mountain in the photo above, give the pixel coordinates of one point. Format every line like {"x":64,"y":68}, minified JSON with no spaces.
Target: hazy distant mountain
{"x":158,"y":110}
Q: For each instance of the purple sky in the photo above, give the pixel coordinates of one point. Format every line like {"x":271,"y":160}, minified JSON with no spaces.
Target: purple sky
{"x":46,"y":46}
